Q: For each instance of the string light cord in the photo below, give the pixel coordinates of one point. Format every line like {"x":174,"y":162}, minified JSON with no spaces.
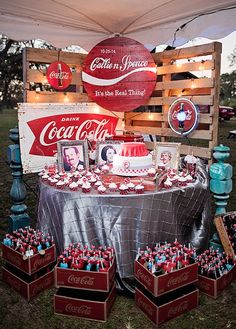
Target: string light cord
{"x":196,"y":17}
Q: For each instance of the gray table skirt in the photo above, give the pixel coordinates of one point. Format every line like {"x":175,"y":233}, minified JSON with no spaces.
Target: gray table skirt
{"x":128,"y":222}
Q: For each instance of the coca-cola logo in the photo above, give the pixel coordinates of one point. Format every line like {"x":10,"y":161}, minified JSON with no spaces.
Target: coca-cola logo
{"x":42,"y":285}
{"x":78,"y":126}
{"x":176,"y":280}
{"x":183,"y":116}
{"x":119,"y":74}
{"x":42,"y":260}
{"x":82,"y":280}
{"x":143,"y":277}
{"x":173,"y":311}
{"x":81,"y":310}
{"x":13,"y":258}
{"x":59,"y":75}
{"x":144,"y":306}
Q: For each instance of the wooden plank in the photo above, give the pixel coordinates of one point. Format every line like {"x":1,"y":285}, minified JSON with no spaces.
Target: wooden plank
{"x":144,"y":116}
{"x":190,"y":92}
{"x":195,"y":51}
{"x":224,"y":236}
{"x":25,"y":65}
{"x":201,"y":152}
{"x":56,"y":97}
{"x":46,"y":56}
{"x":185,"y":84}
{"x":199,"y":100}
{"x":185,"y":67}
{"x":214,"y":110}
{"x":40,"y":77}
{"x":167,"y":132}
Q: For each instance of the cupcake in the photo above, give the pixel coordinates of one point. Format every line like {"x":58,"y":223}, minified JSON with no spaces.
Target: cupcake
{"x":168,"y":184}
{"x":182,"y":181}
{"x":86,"y":187}
{"x":97,"y":171}
{"x":60,"y":184}
{"x":74,"y":186}
{"x":92,"y":180}
{"x":174,"y":179}
{"x":80,"y":168}
{"x":97,"y":184}
{"x":88,"y":174}
{"x":105,"y":169}
{"x":131,"y":186}
{"x":45,"y":178}
{"x":101,"y":189}
{"x":53,"y":181}
{"x":123,"y":189}
{"x":161,"y":166}
{"x":151,"y":172}
{"x":139,"y":189}
{"x":112,"y":187}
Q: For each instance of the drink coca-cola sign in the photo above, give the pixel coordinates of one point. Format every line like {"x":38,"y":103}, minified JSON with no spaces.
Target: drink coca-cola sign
{"x":59,"y":75}
{"x":119,"y":74}
{"x":41,"y":126}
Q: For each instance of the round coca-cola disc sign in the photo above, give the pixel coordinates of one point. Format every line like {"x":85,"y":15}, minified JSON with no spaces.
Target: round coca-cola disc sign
{"x":119,"y":74}
{"x":183,"y":116}
{"x":59,"y":75}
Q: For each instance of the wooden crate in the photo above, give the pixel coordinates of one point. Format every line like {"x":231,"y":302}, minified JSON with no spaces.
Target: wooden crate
{"x":172,"y":64}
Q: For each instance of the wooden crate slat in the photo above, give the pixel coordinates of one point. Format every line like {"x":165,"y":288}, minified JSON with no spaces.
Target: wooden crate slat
{"x":195,"y":51}
{"x":51,"y":97}
{"x":199,"y":100}
{"x":46,"y":56}
{"x":189,"y":83}
{"x":201,"y":152}
{"x":167,"y":132}
{"x":185,"y":67}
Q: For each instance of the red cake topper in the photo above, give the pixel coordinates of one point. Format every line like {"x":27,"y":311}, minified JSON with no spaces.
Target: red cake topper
{"x":183,"y":116}
{"x":119,"y":74}
{"x":59,"y":75}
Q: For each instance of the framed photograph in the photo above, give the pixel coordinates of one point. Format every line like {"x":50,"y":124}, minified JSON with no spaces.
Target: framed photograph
{"x":167,"y":155}
{"x":72,"y":155}
{"x":106,"y":150}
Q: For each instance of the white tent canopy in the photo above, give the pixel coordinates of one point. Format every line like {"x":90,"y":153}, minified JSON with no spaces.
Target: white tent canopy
{"x":85,"y":23}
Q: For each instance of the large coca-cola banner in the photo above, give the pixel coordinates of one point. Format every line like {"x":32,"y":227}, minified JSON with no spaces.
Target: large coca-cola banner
{"x":119,"y":74}
{"x":41,"y":126}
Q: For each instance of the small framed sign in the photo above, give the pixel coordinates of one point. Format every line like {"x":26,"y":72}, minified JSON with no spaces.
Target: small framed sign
{"x":167,"y":155}
{"x":72,"y":155}
{"x":106,"y":150}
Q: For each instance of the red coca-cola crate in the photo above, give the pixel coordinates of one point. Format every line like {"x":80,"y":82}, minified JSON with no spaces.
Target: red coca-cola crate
{"x":85,"y":280}
{"x":84,"y":304}
{"x":169,"y":306}
{"x":159,"y":285}
{"x":31,"y":264}
{"x":214,"y":288}
{"x":25,"y":285}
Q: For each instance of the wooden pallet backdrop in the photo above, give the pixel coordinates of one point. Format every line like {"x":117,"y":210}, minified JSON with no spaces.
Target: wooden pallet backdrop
{"x":151,"y":119}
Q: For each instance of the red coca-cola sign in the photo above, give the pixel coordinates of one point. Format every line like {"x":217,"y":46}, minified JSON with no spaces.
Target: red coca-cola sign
{"x":119,"y":74}
{"x":59,"y":75}
{"x":183,"y":116}
{"x":49,"y":130}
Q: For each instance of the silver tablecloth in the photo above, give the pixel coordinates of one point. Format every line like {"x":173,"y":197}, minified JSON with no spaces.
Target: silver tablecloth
{"x":127,"y":222}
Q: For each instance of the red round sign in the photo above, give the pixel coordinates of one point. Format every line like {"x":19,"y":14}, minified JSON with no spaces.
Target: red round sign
{"x":183,"y":116}
{"x":119,"y":74}
{"x":59,"y":75}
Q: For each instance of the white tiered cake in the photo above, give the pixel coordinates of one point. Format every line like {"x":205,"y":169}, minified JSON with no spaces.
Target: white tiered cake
{"x":133,"y":160}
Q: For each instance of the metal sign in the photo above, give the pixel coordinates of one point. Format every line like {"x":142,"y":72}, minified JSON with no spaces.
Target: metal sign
{"x":183,"y":116}
{"x":59,"y":75}
{"x":41,"y":126}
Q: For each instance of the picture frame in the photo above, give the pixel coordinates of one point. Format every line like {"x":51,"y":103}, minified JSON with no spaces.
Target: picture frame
{"x":104,"y":154}
{"x":72,"y":155}
{"x":167,"y":155}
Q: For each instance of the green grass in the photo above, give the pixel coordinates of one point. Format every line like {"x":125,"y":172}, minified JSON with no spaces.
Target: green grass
{"x":16,"y":313}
